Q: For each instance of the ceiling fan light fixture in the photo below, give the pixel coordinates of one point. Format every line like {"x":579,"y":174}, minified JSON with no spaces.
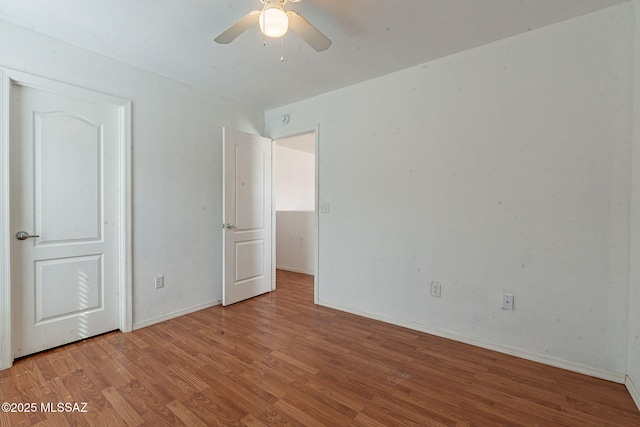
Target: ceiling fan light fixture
{"x":274,"y":22}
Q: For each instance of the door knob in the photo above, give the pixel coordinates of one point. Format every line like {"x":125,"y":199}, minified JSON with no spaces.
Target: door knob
{"x":230,"y":226}
{"x":23,"y":235}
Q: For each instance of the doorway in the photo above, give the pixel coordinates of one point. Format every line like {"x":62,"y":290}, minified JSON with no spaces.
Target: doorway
{"x":295,"y":203}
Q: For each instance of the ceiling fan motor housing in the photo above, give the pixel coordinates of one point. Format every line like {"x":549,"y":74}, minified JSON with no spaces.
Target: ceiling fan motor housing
{"x":273,"y":20}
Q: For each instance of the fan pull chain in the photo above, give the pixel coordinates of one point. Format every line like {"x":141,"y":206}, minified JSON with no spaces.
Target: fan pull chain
{"x":282,"y":49}
{"x":265,"y":3}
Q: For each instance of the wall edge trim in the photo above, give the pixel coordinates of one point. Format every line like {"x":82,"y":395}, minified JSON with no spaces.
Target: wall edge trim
{"x":633,"y":391}
{"x":580,"y":368}
{"x":294,"y":270}
{"x":177,"y":313}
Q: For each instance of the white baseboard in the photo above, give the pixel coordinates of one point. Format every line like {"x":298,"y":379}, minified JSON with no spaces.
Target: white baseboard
{"x":175,"y":314}
{"x":541,"y":358}
{"x":633,"y":391}
{"x":294,"y":270}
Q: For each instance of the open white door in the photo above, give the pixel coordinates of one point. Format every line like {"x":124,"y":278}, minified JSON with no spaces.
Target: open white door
{"x":247,"y":216}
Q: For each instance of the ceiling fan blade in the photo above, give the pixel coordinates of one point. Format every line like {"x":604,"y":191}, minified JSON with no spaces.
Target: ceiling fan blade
{"x":308,"y":32}
{"x":230,"y":34}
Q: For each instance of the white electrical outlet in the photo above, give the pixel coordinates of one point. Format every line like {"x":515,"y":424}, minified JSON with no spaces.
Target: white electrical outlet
{"x":159,"y":282}
{"x":507,"y":301}
{"x":436,"y":289}
{"x":325,"y":208}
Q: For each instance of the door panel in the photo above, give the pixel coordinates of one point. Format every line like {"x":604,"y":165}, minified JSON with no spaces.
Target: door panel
{"x":64,"y":175}
{"x":249,"y":260}
{"x":247,"y":213}
{"x":65,"y":287}
{"x":68,"y":205}
{"x":249,"y":186}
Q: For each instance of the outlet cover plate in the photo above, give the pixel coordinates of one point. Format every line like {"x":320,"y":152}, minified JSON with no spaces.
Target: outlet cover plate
{"x":436,"y":289}
{"x":507,"y":301}
{"x":159,"y":282}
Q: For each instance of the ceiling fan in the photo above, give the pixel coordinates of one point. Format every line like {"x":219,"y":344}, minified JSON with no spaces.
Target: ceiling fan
{"x":274,"y":22}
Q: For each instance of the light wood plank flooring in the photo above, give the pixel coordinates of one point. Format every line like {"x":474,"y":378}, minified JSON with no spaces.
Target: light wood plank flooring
{"x":279,"y":360}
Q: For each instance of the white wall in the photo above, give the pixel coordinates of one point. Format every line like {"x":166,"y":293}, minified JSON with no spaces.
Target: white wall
{"x":295,"y":242}
{"x":176,"y":162}
{"x":294,"y":179}
{"x":295,"y":203}
{"x":634,"y":295}
{"x":501,"y":168}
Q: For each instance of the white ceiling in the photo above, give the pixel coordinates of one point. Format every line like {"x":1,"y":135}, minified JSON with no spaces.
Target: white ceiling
{"x":174,"y":38}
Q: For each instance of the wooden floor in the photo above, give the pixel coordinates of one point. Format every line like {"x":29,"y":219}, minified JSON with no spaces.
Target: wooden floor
{"x":280,"y":360}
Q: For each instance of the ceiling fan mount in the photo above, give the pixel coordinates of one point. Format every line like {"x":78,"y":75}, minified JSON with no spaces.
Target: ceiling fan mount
{"x":274,"y":22}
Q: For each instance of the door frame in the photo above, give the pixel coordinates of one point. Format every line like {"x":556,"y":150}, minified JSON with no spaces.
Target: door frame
{"x":316,"y":217}
{"x":8,"y":78}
